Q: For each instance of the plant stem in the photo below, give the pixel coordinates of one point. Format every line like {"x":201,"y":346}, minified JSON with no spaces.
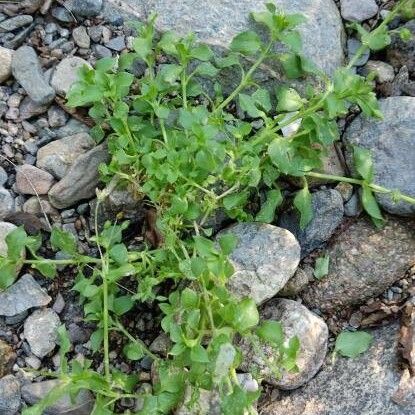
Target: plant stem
{"x":245,"y":79}
{"x":376,"y":188}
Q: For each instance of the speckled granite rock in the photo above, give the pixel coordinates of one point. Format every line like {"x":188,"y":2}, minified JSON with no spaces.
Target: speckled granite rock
{"x":82,"y":405}
{"x":364,"y":261}
{"x":298,"y":321}
{"x":80,"y":180}
{"x":361,"y":386}
{"x":264,"y":260}
{"x":327,"y":215}
{"x":217,"y":21}
{"x":392,"y":143}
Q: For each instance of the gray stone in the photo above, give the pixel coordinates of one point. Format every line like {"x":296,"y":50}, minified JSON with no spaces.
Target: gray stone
{"x":6,"y":203}
{"x":33,"y":362}
{"x":101,"y":51}
{"x":382,"y":70}
{"x":3,"y":176}
{"x":352,"y":47}
{"x":28,"y":72}
{"x":66,"y":74}
{"x":15,"y":23}
{"x":81,"y":37}
{"x":82,"y":405}
{"x":63,"y":15}
{"x":81,"y":179}
{"x":218,"y":21}
{"x":31,"y":181}
{"x":161,"y":344}
{"x":264,"y":259}
{"x":327,"y":215}
{"x":312,"y":333}
{"x":59,"y":155}
{"x":28,"y":109}
{"x":56,"y":116}
{"x":360,"y":386}
{"x":353,"y":207}
{"x":86,"y":8}
{"x":364,"y":262}
{"x":6,"y":56}
{"x":298,"y":282}
{"x":40,"y":331}
{"x":36,"y":207}
{"x":23,"y":295}
{"x":358,"y":10}
{"x":392,"y":145}
{"x":95,"y":32}
{"x":116,"y":43}
{"x":72,"y":127}
{"x":9,"y":395}
{"x":401,"y":53}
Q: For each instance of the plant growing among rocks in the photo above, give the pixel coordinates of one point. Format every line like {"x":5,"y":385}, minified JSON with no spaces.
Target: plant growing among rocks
{"x":176,"y":139}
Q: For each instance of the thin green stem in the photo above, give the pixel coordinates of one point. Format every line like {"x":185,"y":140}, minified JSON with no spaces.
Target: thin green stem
{"x":245,"y":79}
{"x":376,"y":188}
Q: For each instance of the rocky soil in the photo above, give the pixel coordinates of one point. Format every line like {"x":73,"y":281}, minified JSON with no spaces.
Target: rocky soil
{"x":48,"y":167}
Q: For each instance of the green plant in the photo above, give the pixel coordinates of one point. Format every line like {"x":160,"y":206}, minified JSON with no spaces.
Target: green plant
{"x":182,"y":147}
{"x":352,"y":343}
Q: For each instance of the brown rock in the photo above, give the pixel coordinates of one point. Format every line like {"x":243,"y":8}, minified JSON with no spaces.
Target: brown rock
{"x":30,"y":179}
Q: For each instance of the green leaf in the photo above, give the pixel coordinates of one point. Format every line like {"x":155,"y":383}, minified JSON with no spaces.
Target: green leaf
{"x":246,"y":43}
{"x":202,"y":53}
{"x":47,"y":269}
{"x":119,"y":254}
{"x":271,"y":331}
{"x":302,"y":202}
{"x":8,"y":273}
{"x":199,"y":354}
{"x":133,"y":351}
{"x":246,"y":315}
{"x":95,"y":340}
{"x":371,"y":205}
{"x":292,"y":65}
{"x":363,"y":162}
{"x":289,"y":100}
{"x":206,"y":69}
{"x":248,"y":104}
{"x":16,"y":241}
{"x":228,"y":243}
{"x":63,"y":241}
{"x":235,"y":200}
{"x":189,"y":298}
{"x":122,"y":305}
{"x":321,"y":268}
{"x":170,"y":73}
{"x":351,"y":344}
{"x":405,"y":34}
{"x":143,"y":47}
{"x":64,"y":347}
{"x":267,"y":212}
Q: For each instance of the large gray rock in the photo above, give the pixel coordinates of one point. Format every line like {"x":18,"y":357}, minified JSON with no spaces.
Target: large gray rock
{"x":23,"y":295}
{"x":264,"y":259}
{"x":358,"y":10}
{"x":364,"y":261}
{"x":392,"y":144}
{"x":360,"y":386}
{"x":28,"y":72}
{"x":86,"y":8}
{"x":5,"y":63}
{"x":6,"y":203}
{"x":298,"y":321}
{"x":66,"y":74}
{"x":9,"y":395}
{"x":33,"y":181}
{"x":59,"y":155}
{"x":327,"y":215}
{"x":40,"y":331}
{"x":218,"y":21}
{"x":34,"y":392}
{"x":15,"y":22}
{"x":81,"y":179}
